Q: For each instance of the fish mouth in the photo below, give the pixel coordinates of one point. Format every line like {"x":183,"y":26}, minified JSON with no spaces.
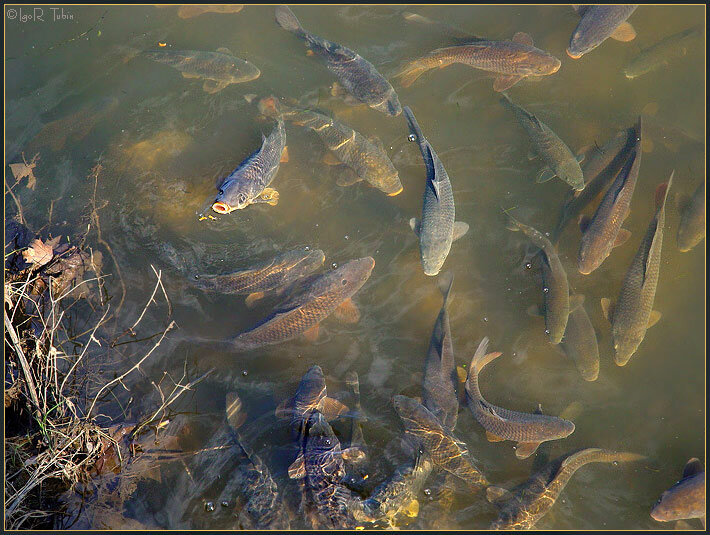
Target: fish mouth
{"x":221,"y":207}
{"x":574,"y":55}
{"x":400,"y":190}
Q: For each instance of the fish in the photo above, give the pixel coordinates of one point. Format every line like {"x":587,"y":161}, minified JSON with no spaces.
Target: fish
{"x":598,"y":23}
{"x":437,"y":228}
{"x":664,"y":52}
{"x":691,"y":230}
{"x":356,"y":458}
{"x":580,"y":343}
{"x":357,"y":76}
{"x":528,"y":430}
{"x":510,"y":61}
{"x":523,"y":506}
{"x":633,"y":312}
{"x":361,"y":158}
{"x":320,"y":466}
{"x":445,"y":451}
{"x":555,"y":286}
{"x":397,"y":495}
{"x":602,"y":232}
{"x":440,"y":378}
{"x":75,"y":126}
{"x":218,"y":69}
{"x":189,"y":11}
{"x":302,"y":312}
{"x":274,"y":274}
{"x":248,"y":183}
{"x":599,"y":168}
{"x":556,"y":155}
{"x":686,"y":498}
{"x":311,"y":395}
{"x":264,"y":508}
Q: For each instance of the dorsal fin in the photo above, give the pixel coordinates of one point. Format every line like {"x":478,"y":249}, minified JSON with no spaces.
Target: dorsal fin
{"x":692,"y":467}
{"x":523,"y":38}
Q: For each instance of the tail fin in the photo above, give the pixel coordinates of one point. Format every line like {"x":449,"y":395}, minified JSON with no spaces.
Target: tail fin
{"x":445,"y":281}
{"x":288,"y":21}
{"x":481,"y":358}
{"x":411,"y":71}
{"x":662,"y":192}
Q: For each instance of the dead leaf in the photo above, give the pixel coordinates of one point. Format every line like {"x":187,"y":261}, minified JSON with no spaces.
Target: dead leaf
{"x":40,"y":253}
{"x":24,"y":169}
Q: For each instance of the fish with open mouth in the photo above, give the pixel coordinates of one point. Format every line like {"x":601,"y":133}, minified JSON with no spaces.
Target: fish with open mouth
{"x":218,"y":69}
{"x":598,"y":23}
{"x":357,"y":75}
{"x":248,"y":183}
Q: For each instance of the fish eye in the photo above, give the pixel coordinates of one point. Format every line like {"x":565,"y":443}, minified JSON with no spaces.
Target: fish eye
{"x":242,"y":198}
{"x":412,"y":137}
{"x":343,"y":282}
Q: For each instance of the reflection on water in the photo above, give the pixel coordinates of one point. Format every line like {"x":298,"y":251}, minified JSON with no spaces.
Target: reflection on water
{"x":164,"y":142}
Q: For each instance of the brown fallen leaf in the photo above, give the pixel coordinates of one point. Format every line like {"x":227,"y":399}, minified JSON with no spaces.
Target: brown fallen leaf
{"x":40,"y":253}
{"x":24,"y":169}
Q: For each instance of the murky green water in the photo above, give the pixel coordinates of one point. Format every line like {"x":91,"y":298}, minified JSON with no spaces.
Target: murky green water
{"x":164,"y":141}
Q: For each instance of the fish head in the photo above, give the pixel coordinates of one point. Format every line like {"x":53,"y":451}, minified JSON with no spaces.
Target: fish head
{"x":684,"y":500}
{"x":320,"y":436}
{"x":311,"y":390}
{"x":572,"y":173}
{"x":350,"y":277}
{"x":390,"y":184}
{"x":433,"y":257}
{"x":390,"y":106}
{"x":304,"y":260}
{"x":243,"y":73}
{"x":580,"y":43}
{"x":538,"y":64}
{"x":232,"y":195}
{"x":589,"y":259}
{"x":626,"y":345}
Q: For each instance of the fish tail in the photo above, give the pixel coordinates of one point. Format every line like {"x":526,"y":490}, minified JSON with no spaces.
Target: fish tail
{"x":288,"y":21}
{"x":411,"y":71}
{"x":662,"y":192}
{"x":481,"y":358}
{"x":445,"y":282}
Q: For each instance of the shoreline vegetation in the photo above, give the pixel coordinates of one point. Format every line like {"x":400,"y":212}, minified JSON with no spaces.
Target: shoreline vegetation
{"x":67,"y":351}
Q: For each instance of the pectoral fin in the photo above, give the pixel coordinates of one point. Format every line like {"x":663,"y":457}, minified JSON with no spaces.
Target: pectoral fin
{"x":692,"y":467}
{"x":624,"y":33}
{"x":332,"y":408}
{"x":653,"y":319}
{"x":346,"y":176}
{"x":412,"y":509}
{"x":526,"y":449}
{"x":284,"y":409}
{"x":580,"y":158}
{"x":460,"y":228}
{"x":622,"y":237}
{"x":575,"y":301}
{"x":523,"y":38}
{"x":501,"y":83}
{"x":415,"y":225}
{"x":253,"y":298}
{"x":497,"y":494}
{"x":270,"y":196}
{"x":544,"y":175}
{"x":347,"y":312}
{"x":607,"y":309}
{"x":212,"y":86}
{"x":493,"y":438}
{"x":331,"y":159}
{"x":284,"y":155}
{"x":353,"y":454}
{"x":311,"y":334}
{"x":297,"y":470}
{"x":189,"y":75}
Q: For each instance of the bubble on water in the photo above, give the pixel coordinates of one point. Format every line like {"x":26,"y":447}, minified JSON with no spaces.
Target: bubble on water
{"x":547,"y":234}
{"x":316,"y":224}
{"x":335,"y":266}
{"x":412,"y":137}
{"x":528,"y":265}
{"x":209,"y":507}
{"x":547,"y":331}
{"x":427,"y":492}
{"x":546,"y":289}
{"x":225,"y":503}
{"x":197,"y":277}
{"x":347,"y":237}
{"x":307,"y":248}
{"x":485,"y":318}
{"x":615,"y":463}
{"x":245,"y":373}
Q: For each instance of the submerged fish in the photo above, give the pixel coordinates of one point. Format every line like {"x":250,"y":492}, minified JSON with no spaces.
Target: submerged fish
{"x":633,"y":312}
{"x":248,"y":183}
{"x":445,"y":451}
{"x":555,"y":287}
{"x":356,"y":458}
{"x":362,"y":158}
{"x":685,"y":499}
{"x":276,"y":273}
{"x":523,"y":506}
{"x":691,"y":230}
{"x":398,"y":495}
{"x":511,"y":61}
{"x":320,"y":465}
{"x":558,"y":158}
{"x":189,"y":11}
{"x":580,"y":343}
{"x":218,"y":69}
{"x":599,"y":167}
{"x":662,"y":53}
{"x":440,"y":379}
{"x":264,"y":508}
{"x":602,"y":232}
{"x":302,"y":312}
{"x":598,"y":23}
{"x":357,"y":75}
{"x":437,"y":229}
{"x":528,"y":430}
